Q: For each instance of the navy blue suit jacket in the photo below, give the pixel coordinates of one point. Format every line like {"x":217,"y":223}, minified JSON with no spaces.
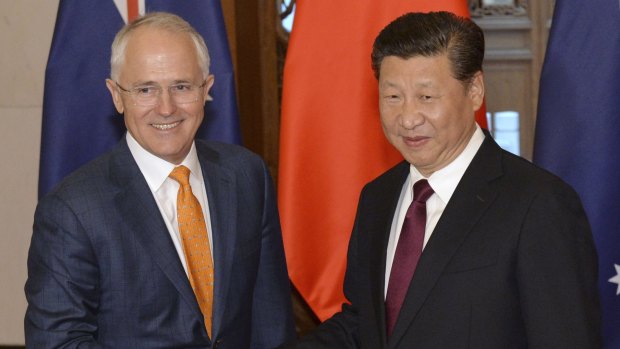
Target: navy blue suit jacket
{"x":103,"y":272}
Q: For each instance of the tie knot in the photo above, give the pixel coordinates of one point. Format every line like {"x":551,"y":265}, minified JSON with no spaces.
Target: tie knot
{"x":180,"y":174}
{"x":422,"y":191}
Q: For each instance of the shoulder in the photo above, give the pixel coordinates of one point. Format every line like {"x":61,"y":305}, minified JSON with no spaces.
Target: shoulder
{"x":232,"y":159}
{"x":226,"y":154}
{"x":504,"y":170}
{"x":526,"y":174}
{"x":386,"y":187}
{"x":523,"y":186}
{"x":395,"y":176}
{"x":97,"y":179}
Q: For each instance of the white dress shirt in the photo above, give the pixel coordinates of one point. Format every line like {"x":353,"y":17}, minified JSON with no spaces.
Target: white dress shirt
{"x":443,"y":182}
{"x":156,"y":170}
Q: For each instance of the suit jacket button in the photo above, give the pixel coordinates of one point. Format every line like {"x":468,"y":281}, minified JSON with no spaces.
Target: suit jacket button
{"x":217,"y":344}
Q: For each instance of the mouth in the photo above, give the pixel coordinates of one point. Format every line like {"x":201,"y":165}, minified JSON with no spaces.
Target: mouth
{"x":415,"y":141}
{"x":165,"y":127}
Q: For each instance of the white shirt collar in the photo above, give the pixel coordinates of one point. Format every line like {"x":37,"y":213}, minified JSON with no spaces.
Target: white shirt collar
{"x":445,"y":180}
{"x":154,"y":169}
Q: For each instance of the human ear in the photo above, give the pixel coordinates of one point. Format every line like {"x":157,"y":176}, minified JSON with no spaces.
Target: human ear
{"x":116,"y":96}
{"x":208,"y":84}
{"x":476,"y":90}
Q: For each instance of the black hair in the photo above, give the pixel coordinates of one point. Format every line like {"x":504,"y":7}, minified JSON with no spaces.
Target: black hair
{"x":432,"y":34}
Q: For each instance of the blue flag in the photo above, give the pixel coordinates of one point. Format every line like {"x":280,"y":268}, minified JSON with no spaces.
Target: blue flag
{"x":79,"y":119}
{"x":578,"y":129}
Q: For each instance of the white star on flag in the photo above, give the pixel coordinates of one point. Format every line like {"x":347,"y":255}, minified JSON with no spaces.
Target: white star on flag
{"x":616,"y":279}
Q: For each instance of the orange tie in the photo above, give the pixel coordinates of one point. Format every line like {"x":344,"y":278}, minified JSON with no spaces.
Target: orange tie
{"x":195,"y":239}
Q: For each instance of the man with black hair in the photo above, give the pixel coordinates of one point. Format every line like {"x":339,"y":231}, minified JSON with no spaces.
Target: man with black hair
{"x":462,"y":245}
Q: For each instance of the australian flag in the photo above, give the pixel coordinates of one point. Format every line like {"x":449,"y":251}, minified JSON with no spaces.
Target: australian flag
{"x":79,"y":119}
{"x":578,"y":129}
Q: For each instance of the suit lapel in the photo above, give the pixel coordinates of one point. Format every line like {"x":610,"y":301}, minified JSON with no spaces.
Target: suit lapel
{"x":470,"y":200}
{"x":221,"y":188}
{"x":140,"y":213}
{"x":379,"y":228}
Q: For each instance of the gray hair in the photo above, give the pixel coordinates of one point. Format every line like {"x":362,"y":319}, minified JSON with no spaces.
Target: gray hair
{"x":159,"y":20}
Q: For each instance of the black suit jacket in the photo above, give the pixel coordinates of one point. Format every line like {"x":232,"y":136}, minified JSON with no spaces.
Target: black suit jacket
{"x":103,"y":271}
{"x":511,"y":264}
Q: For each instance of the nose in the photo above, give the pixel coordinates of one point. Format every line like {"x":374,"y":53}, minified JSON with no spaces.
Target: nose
{"x":166,"y":105}
{"x":411,"y":115}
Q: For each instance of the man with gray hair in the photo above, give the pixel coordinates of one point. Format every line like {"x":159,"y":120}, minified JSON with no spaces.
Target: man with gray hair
{"x":165,"y":241}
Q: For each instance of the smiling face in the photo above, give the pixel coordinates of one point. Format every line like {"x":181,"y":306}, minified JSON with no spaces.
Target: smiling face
{"x":159,"y":58}
{"x":427,"y":114}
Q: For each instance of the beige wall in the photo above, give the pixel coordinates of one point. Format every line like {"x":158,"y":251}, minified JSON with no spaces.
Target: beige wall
{"x":26,"y":28}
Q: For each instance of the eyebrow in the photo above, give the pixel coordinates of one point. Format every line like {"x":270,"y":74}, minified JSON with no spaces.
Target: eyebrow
{"x":182,"y":81}
{"x":387,"y":84}
{"x":144,"y":83}
{"x":154,"y":83}
{"x":424,"y":84}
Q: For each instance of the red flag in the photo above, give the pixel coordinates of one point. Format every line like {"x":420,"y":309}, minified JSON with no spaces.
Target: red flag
{"x":331,"y":140}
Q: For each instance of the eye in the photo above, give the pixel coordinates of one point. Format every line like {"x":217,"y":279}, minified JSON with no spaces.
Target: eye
{"x":391,"y":98}
{"x":426,"y":98}
{"x":181,"y":88}
{"x":146,"y":90}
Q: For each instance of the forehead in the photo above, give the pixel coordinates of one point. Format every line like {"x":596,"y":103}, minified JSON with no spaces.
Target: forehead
{"x":149,"y":39}
{"x":419,"y":69}
{"x":157,"y":49}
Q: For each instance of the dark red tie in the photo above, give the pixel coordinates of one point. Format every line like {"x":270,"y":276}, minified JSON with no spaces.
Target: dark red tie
{"x":408,"y":253}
